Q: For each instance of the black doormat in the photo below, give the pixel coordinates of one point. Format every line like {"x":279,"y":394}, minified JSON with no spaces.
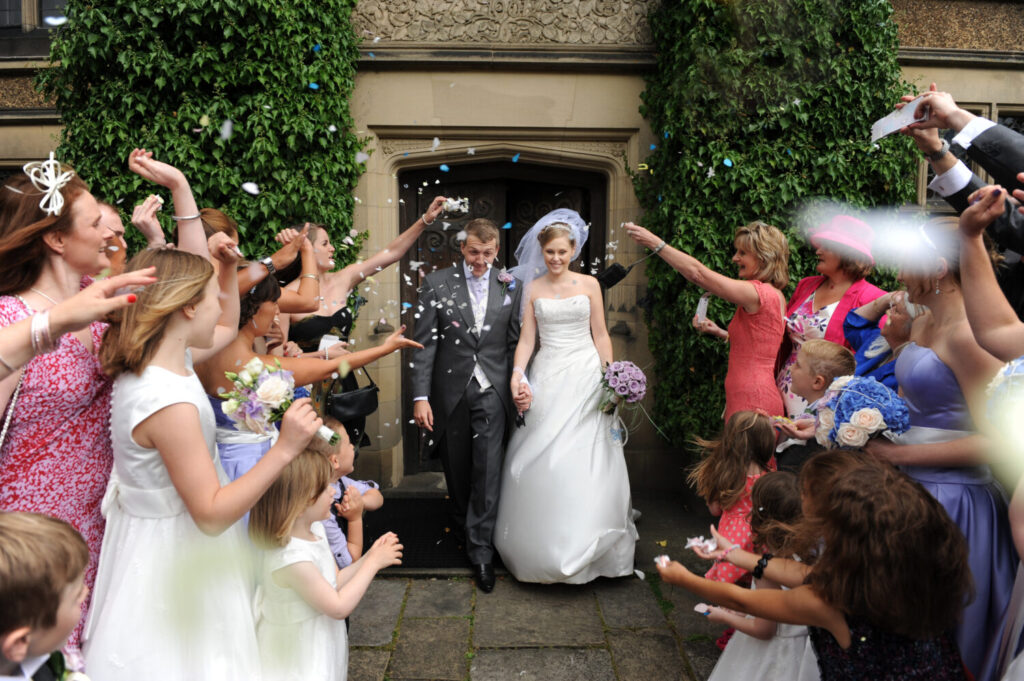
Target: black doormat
{"x":425,"y":528}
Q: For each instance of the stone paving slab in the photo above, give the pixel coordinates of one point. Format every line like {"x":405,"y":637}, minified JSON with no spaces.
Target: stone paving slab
{"x":515,"y":615}
{"x":431,"y":649}
{"x":376,"y":616}
{"x":542,"y":664}
{"x":628,"y":603}
{"x":440,"y":598}
{"x":367,"y":664}
{"x":647,"y":654}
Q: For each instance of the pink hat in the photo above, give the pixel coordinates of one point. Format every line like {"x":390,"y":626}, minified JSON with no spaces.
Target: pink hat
{"x":846,"y":231}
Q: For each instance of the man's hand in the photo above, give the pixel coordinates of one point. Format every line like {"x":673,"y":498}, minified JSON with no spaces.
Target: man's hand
{"x":423,"y":415}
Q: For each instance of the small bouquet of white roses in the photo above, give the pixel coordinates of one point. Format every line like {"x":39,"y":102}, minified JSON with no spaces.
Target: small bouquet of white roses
{"x":261,"y":396}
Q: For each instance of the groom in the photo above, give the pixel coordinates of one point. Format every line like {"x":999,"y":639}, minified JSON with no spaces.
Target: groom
{"x":469,"y":327}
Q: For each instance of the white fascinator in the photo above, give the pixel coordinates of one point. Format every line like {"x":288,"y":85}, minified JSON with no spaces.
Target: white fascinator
{"x":530,"y":257}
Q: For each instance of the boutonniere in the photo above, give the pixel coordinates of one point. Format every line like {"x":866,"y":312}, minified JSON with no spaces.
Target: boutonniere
{"x":65,"y":669}
{"x":508,"y":282}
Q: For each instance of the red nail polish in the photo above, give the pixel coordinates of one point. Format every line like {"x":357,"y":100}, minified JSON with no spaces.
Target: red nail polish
{"x":132,"y":298}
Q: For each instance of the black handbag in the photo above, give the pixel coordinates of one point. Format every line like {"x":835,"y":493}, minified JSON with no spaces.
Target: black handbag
{"x":352,"y":404}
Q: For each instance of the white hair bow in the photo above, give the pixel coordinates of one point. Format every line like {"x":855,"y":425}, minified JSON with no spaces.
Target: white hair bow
{"x":48,"y":178}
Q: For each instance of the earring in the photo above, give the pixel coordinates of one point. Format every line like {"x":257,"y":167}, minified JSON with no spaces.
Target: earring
{"x":937,"y":291}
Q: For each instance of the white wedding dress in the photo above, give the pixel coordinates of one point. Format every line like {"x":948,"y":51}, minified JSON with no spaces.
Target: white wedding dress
{"x":564,"y":514}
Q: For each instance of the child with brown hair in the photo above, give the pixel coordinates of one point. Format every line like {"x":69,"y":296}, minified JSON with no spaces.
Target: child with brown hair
{"x":884,"y":594}
{"x":305,"y":597}
{"x":763,"y":649}
{"x":42,"y":568}
{"x":724,"y":477}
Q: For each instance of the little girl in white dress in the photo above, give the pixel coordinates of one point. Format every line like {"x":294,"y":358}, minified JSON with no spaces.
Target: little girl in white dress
{"x":303,"y":598}
{"x":763,"y":650}
{"x":174,"y":589}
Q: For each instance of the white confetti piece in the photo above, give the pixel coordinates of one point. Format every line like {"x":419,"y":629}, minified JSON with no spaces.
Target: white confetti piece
{"x":362,"y":157}
{"x":55,"y":21}
{"x":251,"y":187}
{"x":708,"y":545}
{"x":471,"y":151}
{"x":435,"y":144}
{"x":639,"y":574}
{"x":226,"y":128}
{"x":332,"y":128}
{"x":661,"y":561}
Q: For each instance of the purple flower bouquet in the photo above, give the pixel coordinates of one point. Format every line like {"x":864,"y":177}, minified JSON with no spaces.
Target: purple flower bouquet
{"x":622,"y":382}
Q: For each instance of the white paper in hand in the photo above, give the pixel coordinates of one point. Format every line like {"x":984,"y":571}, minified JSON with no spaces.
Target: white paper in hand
{"x":897,"y":120}
{"x":702,"y":307}
{"x":327,"y":340}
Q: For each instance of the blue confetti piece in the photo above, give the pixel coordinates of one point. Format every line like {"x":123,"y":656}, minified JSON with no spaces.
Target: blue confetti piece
{"x":373,"y":56}
{"x":317,"y":47}
{"x":666,"y":135}
{"x":444,"y":168}
{"x":727,"y":163}
{"x":659,"y":198}
{"x":653,"y":147}
{"x":405,"y":154}
{"x":515,"y":159}
{"x":789,"y":151}
{"x":508,"y":225}
{"x":314,"y":86}
{"x":406,"y":305}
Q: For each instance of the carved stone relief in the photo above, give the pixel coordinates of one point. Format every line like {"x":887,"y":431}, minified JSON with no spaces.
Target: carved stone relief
{"x":507,"y":22}
{"x":614,"y":149}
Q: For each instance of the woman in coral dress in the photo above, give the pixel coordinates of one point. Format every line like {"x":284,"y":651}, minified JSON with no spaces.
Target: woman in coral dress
{"x":756,"y":330}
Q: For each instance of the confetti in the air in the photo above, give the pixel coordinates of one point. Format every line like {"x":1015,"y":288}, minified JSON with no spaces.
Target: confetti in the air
{"x":251,"y":187}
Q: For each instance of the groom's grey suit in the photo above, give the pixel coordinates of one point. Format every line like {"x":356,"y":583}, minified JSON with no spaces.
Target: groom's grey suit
{"x":470,"y":424}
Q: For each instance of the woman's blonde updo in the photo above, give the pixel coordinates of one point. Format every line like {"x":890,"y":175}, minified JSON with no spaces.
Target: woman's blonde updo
{"x":136,"y":331}
{"x":553,"y":231}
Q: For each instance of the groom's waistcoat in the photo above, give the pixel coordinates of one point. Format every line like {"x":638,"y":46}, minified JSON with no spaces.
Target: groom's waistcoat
{"x":452,"y":347}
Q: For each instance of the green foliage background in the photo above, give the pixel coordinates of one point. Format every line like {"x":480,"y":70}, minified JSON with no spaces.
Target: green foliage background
{"x":164,"y":75}
{"x":786,"y":90}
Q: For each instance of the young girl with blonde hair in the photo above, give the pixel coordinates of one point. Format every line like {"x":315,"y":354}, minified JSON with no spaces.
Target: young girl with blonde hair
{"x":303,"y":597}
{"x":173,"y":591}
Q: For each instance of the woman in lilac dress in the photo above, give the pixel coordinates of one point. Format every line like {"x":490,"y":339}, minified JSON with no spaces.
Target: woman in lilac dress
{"x":942,"y":374}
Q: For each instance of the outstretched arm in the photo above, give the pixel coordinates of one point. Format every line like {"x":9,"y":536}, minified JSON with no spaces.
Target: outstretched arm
{"x":994,"y":323}
{"x":393,"y":252}
{"x":310,"y":370}
{"x":736,"y":291}
{"x":191,"y":237}
{"x":224,"y":252}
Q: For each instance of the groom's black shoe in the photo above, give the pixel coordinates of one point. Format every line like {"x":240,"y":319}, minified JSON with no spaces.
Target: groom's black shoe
{"x":483,"y":573}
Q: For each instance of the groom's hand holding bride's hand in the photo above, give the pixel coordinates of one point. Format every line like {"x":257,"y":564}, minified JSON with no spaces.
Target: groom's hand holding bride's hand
{"x":522,"y":396}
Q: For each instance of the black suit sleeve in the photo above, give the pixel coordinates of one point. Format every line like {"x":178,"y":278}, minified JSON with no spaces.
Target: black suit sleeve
{"x":425,"y":333}
{"x":1000,"y":151}
{"x":1007,"y":230}
{"x":516,"y":321}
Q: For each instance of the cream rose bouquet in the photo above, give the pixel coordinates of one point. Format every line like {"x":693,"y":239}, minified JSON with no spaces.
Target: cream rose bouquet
{"x":261,"y":396}
{"x":857,"y":408}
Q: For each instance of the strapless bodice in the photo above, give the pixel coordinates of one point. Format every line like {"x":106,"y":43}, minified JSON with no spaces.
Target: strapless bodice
{"x":563,"y":322}
{"x":930,"y":388}
{"x":308,"y":331}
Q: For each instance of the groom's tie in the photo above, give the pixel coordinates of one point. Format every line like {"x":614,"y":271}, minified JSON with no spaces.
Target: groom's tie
{"x":478,"y":295}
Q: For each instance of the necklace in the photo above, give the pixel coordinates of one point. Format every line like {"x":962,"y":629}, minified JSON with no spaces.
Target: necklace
{"x":35,"y":290}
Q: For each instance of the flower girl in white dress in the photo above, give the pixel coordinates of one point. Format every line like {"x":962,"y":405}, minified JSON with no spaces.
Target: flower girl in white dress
{"x":174,"y":590}
{"x":761,"y":649}
{"x":303,"y":598}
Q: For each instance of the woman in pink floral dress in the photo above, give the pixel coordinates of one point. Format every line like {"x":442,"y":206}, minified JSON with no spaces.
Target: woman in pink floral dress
{"x":56,"y":455}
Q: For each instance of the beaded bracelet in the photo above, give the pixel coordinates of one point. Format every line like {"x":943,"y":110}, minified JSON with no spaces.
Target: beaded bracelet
{"x":728,"y":551}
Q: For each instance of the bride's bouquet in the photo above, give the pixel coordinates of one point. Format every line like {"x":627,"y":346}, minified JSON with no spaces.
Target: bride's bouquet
{"x":857,"y":408}
{"x":622,"y":382}
{"x":261,"y":396}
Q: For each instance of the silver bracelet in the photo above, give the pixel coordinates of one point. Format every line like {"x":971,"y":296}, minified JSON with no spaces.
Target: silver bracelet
{"x":310,"y":276}
{"x":186,"y":217}
{"x":424,"y":218}
{"x":657,"y":249}
{"x":42,"y":340}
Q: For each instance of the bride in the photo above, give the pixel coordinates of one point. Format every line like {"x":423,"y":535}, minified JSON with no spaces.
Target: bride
{"x":564,"y":508}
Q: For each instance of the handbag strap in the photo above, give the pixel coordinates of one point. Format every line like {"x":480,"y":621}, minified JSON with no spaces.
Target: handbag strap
{"x":10,"y":409}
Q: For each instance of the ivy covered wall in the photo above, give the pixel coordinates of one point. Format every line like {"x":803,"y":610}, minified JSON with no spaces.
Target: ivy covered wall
{"x":758,"y":106}
{"x":166,"y":76}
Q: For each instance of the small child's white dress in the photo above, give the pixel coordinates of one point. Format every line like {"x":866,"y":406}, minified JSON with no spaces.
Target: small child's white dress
{"x":170,"y":602}
{"x":787,"y":655}
{"x":297,"y":642}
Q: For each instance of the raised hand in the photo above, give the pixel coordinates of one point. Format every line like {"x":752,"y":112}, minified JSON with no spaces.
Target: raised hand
{"x":351,"y":505}
{"x":223,"y":249}
{"x":986,"y":204}
{"x":142,"y":163}
{"x":298,"y":426}
{"x":144,"y":219}
{"x":435,"y":209}
{"x":641,"y":235}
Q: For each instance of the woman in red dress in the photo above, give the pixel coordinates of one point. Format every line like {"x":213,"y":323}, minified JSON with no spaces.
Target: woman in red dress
{"x":756,"y":330}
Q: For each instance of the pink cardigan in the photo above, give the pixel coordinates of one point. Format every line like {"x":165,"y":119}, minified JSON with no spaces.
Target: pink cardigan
{"x":860,"y":293}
